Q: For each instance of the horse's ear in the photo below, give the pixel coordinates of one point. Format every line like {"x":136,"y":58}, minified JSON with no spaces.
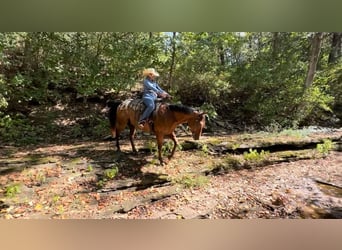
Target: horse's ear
{"x":203,"y":114}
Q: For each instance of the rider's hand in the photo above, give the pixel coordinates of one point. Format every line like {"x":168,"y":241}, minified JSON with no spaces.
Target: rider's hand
{"x":163,"y":95}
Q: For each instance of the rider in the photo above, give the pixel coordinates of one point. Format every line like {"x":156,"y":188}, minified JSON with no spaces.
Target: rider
{"x":151,"y":91}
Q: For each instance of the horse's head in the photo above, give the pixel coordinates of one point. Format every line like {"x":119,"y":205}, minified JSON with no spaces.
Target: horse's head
{"x":196,"y":124}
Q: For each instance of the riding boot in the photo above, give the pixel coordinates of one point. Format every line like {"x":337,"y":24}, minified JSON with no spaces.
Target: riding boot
{"x":142,"y":124}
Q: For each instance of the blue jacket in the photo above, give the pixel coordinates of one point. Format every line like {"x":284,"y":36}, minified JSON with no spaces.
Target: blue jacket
{"x":152,"y":89}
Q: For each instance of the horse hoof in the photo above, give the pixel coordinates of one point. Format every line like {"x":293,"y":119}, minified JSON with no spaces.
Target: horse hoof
{"x":109,"y":138}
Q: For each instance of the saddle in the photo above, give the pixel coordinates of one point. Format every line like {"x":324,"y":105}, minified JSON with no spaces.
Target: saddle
{"x":149,"y":120}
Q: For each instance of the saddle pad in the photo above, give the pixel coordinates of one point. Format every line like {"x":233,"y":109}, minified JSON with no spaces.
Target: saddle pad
{"x":136,"y":105}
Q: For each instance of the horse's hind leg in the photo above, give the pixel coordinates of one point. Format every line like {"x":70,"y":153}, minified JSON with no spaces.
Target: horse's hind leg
{"x":160,"y":139}
{"x":118,"y":131}
{"x":175,"y":143}
{"x":131,"y":137}
{"x":117,"y":135}
{"x":120,"y":126}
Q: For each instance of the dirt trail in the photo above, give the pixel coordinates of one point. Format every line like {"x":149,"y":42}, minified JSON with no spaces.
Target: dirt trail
{"x":90,"y":180}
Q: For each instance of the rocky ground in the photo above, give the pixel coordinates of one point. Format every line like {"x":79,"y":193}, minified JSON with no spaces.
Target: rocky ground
{"x":285,"y":190}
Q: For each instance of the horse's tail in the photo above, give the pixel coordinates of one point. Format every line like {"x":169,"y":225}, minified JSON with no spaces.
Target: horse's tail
{"x":113,"y":106}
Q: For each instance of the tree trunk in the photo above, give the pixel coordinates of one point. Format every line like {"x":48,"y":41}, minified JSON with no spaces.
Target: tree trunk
{"x":314,"y":55}
{"x":221,"y":55}
{"x":173,"y":59}
{"x":275,"y":45}
{"x":336,"y":44}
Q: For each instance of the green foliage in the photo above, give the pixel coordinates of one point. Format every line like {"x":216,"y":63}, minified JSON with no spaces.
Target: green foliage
{"x":111,"y":173}
{"x":232,"y":161}
{"x":254,"y":156}
{"x":254,"y":78}
{"x":151,"y":145}
{"x":235,"y":146}
{"x":76,"y":130}
{"x":85,"y":62}
{"x":229,"y":162}
{"x":99,"y":127}
{"x":268,"y":84}
{"x":325,"y":147}
{"x":3,"y":101}
{"x":108,"y":174}
{"x":273,"y":127}
{"x":209,"y":109}
{"x":332,"y":77}
{"x":192,"y":181}
{"x":12,"y":190}
{"x":299,"y":133}
{"x":100,"y":183}
{"x":315,"y":104}
{"x":90,"y":168}
{"x":56,"y":198}
{"x":167,"y":146}
{"x":205,"y":149}
{"x":19,"y":130}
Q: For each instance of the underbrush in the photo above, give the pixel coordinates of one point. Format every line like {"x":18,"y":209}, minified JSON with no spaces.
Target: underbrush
{"x":48,"y":125}
{"x":192,"y":181}
{"x":21,"y":131}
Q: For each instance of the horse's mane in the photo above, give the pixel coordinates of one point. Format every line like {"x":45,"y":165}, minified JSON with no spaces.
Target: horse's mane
{"x":181,"y":108}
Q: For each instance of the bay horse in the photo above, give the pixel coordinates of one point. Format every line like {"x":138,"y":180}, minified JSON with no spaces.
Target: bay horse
{"x":165,"y":118}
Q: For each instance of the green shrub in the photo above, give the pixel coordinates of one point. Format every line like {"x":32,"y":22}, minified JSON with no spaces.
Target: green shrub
{"x":90,"y":168}
{"x":299,"y":133}
{"x":210,"y":110}
{"x":167,"y":146}
{"x":12,"y":190}
{"x":232,"y":162}
{"x":111,"y":173}
{"x":192,"y":181}
{"x":56,"y":198}
{"x":228,"y":163}
{"x":254,"y":156}
{"x":325,"y":147}
{"x":205,"y":149}
{"x":19,"y":130}
{"x":151,"y":145}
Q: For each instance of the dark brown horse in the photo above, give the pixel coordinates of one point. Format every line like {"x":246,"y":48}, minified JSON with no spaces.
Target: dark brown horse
{"x":166,"y":118}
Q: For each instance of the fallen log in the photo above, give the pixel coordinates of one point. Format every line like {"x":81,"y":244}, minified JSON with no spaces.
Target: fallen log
{"x":234,"y":147}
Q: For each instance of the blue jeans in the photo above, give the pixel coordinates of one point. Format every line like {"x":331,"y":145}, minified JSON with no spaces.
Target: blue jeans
{"x":149,"y":104}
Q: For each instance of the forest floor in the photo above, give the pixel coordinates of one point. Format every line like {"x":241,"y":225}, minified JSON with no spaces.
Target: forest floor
{"x":221,"y":176}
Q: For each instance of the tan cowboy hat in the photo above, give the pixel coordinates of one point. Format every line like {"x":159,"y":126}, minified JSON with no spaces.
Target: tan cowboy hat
{"x":149,"y":71}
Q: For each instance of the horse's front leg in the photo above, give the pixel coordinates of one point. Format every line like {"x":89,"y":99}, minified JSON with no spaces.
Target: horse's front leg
{"x":175,"y":143}
{"x":131,"y":137}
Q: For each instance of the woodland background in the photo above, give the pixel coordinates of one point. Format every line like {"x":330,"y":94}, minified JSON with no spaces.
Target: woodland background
{"x":260,"y":80}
